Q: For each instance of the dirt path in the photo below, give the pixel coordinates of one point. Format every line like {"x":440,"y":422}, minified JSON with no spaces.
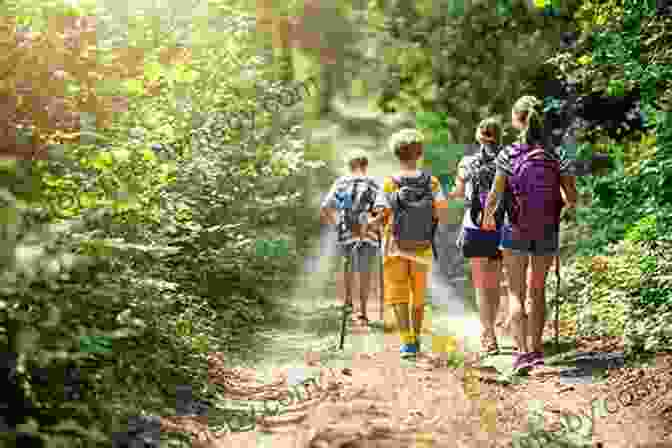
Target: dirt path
{"x":379,"y":400}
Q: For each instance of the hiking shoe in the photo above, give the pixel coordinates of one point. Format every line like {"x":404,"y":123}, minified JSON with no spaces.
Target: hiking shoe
{"x":528,"y":361}
{"x":521,"y":360}
{"x":361,"y":319}
{"x":408,"y":350}
{"x":536,"y":359}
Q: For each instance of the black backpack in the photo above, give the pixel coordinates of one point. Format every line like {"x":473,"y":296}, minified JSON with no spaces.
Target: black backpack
{"x":354,"y":200}
{"x":481,"y":183}
{"x":475,"y":242}
{"x":413,"y":224}
{"x":476,"y":204}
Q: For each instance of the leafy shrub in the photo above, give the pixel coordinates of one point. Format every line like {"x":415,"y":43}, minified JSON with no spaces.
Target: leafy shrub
{"x":591,"y":295}
{"x":626,"y":293}
{"x":150,"y":249}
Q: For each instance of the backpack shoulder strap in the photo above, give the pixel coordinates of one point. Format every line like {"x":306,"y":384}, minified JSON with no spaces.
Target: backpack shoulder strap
{"x":535,"y":151}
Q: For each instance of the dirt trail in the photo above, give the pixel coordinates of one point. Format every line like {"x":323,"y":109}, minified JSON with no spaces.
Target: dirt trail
{"x":380,"y":401}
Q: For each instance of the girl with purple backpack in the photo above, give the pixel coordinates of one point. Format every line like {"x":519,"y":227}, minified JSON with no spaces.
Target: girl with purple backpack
{"x":535,"y":175}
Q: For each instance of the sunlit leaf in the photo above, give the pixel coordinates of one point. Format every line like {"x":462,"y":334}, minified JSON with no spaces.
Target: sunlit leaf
{"x":122,"y":155}
{"x":103,"y":160}
{"x":134,"y":87}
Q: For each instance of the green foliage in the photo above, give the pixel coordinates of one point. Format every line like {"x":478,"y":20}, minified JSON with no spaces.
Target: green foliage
{"x":440,"y":155}
{"x":644,"y":230}
{"x":133,"y":262}
{"x":626,"y":293}
{"x":466,"y":65}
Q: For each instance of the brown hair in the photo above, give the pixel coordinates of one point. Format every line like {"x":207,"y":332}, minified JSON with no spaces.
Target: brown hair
{"x":409,"y":152}
{"x":359,"y":163}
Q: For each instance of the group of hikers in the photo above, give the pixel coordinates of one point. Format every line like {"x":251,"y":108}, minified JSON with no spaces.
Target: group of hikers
{"x":513,"y":198}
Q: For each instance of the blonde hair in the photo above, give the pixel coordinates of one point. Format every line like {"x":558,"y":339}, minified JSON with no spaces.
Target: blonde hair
{"x":531,"y":110}
{"x":401,"y":142}
{"x":490,"y":123}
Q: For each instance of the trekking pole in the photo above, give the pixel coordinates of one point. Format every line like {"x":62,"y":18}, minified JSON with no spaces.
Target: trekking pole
{"x":381,"y":282}
{"x":347,"y":300}
{"x":557,"y":301}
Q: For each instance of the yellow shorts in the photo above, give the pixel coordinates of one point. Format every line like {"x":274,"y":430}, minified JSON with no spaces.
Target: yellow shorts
{"x":405,"y":281}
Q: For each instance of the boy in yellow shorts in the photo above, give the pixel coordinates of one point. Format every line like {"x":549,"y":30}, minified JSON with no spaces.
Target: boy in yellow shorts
{"x":411,"y":203}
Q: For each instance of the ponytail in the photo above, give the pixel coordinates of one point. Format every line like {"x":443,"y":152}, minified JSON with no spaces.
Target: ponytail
{"x":491,"y":124}
{"x":532,"y":110}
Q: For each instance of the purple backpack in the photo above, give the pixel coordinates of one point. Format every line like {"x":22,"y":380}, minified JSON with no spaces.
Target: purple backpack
{"x":535,"y":185}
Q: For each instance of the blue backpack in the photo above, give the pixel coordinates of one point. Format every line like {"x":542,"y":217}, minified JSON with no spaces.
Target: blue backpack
{"x":354,"y":200}
{"x":535,"y":187}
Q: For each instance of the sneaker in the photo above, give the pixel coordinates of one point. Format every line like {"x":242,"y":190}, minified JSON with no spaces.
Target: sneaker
{"x":536,"y":359}
{"x":408,"y":350}
{"x":528,"y":361}
{"x":521,"y":360}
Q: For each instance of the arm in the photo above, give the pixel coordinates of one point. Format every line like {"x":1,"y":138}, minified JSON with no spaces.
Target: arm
{"x":328,"y":207}
{"x":498,"y":188}
{"x":381,"y":209}
{"x":458,"y":190}
{"x":328,"y":215}
{"x":380,"y":215}
{"x":440,"y":203}
{"x":568,"y":188}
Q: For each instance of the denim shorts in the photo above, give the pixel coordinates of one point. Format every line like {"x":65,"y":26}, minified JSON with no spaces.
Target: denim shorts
{"x":548,"y":246}
{"x":360,"y":257}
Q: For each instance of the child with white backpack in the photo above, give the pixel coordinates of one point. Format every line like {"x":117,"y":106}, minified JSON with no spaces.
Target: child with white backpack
{"x":349,"y":205}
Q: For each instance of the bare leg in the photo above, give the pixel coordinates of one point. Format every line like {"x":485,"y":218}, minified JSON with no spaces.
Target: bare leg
{"x":487,"y":279}
{"x":364,"y":290}
{"x":347,"y":287}
{"x":504,"y":309}
{"x":537,"y":298}
{"x":516,"y":269}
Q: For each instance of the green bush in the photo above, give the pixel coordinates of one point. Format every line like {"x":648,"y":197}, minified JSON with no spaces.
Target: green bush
{"x":626,"y":293}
